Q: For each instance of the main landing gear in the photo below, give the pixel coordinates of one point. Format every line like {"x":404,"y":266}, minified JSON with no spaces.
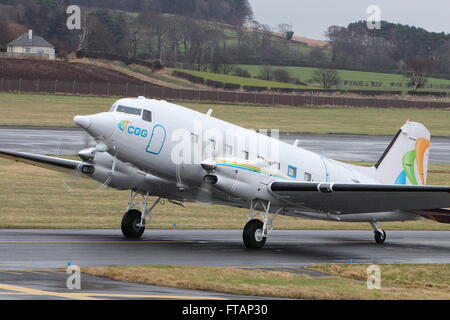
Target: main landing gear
{"x":256,"y":231}
{"x":134,"y":221}
{"x":380,"y":234}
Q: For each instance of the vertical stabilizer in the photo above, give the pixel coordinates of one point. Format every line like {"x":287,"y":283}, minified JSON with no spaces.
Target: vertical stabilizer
{"x":405,"y":161}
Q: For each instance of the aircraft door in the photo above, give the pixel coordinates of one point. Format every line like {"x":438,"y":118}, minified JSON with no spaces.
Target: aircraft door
{"x":157,"y":139}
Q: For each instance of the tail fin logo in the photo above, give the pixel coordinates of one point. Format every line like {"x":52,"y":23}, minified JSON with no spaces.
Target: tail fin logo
{"x":410,"y":160}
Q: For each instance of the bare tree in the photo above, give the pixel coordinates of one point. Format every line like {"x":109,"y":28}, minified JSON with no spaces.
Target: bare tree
{"x":9,"y":31}
{"x":415,"y":71}
{"x":286,"y":29}
{"x":326,"y":77}
{"x":281,"y":75}
{"x":133,"y":44}
{"x":265,"y":73}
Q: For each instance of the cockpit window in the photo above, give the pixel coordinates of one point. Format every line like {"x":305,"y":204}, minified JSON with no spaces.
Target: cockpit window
{"x":147,"y":116}
{"x":112,"y":108}
{"x":129,"y":110}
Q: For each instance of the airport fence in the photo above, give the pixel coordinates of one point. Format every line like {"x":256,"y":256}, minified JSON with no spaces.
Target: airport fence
{"x":218,"y":96}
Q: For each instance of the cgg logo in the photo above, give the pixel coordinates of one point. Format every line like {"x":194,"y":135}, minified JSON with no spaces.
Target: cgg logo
{"x":126,"y":127}
{"x":137,"y":131}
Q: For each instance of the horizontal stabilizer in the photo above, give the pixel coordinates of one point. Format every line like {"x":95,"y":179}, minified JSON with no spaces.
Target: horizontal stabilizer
{"x":438,"y":215}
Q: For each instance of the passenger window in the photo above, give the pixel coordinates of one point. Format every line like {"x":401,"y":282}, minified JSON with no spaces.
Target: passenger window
{"x":228,"y":150}
{"x":292,"y":172}
{"x":308,"y":176}
{"x":276,"y":165}
{"x":147,"y":116}
{"x":245,"y":155}
{"x":129,"y":110}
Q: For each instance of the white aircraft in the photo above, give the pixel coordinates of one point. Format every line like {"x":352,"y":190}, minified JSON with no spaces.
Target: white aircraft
{"x":147,"y":146}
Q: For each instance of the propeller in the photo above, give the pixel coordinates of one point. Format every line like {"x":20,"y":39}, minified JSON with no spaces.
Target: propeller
{"x":87,"y":155}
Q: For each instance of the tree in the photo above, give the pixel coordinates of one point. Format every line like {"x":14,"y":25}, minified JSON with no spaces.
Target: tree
{"x":281,"y":75}
{"x":240,"y":72}
{"x":336,"y":35}
{"x":415,"y":71}
{"x":265,"y":73}
{"x":10,"y":31}
{"x":326,"y":77}
{"x":286,"y":29}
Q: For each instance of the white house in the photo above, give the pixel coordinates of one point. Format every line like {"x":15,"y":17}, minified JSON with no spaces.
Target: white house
{"x":27,"y":44}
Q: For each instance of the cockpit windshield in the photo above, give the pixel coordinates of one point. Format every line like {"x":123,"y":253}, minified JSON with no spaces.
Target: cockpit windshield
{"x":129,"y":110}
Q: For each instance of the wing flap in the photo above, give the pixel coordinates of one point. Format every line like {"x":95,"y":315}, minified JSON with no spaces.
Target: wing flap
{"x":362,"y":198}
{"x":52,"y":163}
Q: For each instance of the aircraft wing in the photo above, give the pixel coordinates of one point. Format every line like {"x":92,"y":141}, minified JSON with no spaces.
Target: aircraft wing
{"x":361,"y":198}
{"x":52,"y":163}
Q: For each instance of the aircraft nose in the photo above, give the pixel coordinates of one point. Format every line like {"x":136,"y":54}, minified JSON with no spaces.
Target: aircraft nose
{"x":83,"y":121}
{"x":97,"y":125}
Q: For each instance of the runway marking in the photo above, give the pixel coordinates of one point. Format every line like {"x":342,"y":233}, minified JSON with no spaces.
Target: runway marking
{"x":18,"y":290}
{"x":150,"y":296}
{"x":11,"y":272}
{"x":38,"y":272}
{"x":38,"y":292}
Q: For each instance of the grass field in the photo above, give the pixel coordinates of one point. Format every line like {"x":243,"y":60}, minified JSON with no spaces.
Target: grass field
{"x":342,"y":282}
{"x":305,"y":73}
{"x":32,"y":197}
{"x":59,"y":110}
{"x":240,"y":80}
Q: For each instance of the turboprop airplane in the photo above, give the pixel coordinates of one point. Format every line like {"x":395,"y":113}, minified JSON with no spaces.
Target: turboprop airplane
{"x":158,"y":149}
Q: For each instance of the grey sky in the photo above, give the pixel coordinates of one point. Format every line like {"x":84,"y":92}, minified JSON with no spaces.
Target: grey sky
{"x":310,"y":18}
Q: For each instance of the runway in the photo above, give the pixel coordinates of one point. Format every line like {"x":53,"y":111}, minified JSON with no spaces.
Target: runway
{"x":32,"y":261}
{"x":346,"y":147}
{"x":30,"y":249}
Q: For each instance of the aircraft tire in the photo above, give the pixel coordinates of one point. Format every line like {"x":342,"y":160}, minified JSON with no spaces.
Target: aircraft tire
{"x":130,"y":220}
{"x":252,"y":234}
{"x":380,"y":238}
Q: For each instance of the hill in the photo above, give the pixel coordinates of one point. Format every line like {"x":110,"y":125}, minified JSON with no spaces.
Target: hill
{"x":59,"y":70}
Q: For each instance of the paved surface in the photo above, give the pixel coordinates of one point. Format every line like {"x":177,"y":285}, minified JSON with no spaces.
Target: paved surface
{"x":68,"y":141}
{"x":25,"y":249}
{"x":29,"y":258}
{"x":49,"y":284}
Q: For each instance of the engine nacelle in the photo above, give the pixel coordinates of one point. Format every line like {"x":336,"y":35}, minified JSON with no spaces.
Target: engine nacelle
{"x":114,"y":173}
{"x":238,"y":182}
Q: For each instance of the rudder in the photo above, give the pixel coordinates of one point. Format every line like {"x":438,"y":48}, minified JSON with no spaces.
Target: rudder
{"x":405,"y":161}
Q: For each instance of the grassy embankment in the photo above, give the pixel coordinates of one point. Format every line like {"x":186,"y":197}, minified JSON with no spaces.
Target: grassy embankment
{"x":306,"y":73}
{"x":345,"y":281}
{"x":241,"y":80}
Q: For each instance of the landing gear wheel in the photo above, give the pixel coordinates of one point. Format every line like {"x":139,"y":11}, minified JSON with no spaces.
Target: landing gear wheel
{"x":130,"y":224}
{"x":253,"y":234}
{"x":380,"y":237}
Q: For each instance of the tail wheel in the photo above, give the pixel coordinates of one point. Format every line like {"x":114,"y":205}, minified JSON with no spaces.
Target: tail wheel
{"x":130,"y":224}
{"x":380,"y":237}
{"x":253,"y":234}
